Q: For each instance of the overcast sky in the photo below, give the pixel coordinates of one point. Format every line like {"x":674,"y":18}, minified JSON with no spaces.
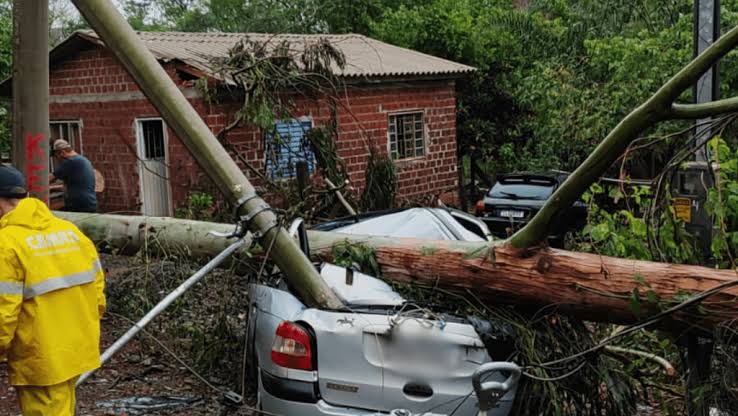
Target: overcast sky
{"x":67,"y":8}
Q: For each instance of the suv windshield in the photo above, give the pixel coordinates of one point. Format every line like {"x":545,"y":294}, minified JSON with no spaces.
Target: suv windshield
{"x":521,"y":191}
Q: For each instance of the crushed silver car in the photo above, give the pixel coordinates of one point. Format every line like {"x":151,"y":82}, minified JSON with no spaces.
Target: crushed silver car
{"x":384,"y":355}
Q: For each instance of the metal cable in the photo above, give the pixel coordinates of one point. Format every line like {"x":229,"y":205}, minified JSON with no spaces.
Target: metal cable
{"x":559,"y":378}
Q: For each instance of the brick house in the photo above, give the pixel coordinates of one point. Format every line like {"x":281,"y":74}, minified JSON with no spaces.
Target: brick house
{"x":401,"y":101}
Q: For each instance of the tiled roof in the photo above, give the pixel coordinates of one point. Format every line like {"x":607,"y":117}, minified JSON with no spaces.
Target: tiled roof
{"x":365,"y":57}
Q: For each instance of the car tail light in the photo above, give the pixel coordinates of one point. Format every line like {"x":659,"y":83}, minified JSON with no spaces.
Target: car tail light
{"x":292,"y":347}
{"x":479,"y":207}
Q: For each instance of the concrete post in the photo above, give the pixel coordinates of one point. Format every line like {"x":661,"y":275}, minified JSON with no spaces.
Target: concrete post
{"x":31,"y":94}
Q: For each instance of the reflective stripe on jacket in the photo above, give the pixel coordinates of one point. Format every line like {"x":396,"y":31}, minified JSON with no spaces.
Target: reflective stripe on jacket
{"x":51,"y":297}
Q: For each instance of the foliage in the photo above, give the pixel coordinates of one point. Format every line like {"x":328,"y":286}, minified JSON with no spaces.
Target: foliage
{"x":356,"y":256}
{"x":265,"y":16}
{"x":6,"y":33}
{"x":6,"y":66}
{"x":645,"y":227}
{"x":602,"y":387}
{"x":722,"y":204}
{"x":267,"y":73}
{"x":624,"y":233}
{"x":64,"y":19}
{"x":204,"y":326}
{"x":381,"y":183}
{"x":268,"y":77}
{"x":138,"y":14}
{"x":323,"y":142}
{"x":199,"y":207}
{"x":554,"y":77}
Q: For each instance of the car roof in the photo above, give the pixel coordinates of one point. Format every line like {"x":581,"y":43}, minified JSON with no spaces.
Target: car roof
{"x":436,"y":223}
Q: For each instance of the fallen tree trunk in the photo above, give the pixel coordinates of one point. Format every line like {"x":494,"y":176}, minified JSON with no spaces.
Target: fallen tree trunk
{"x":587,"y":286}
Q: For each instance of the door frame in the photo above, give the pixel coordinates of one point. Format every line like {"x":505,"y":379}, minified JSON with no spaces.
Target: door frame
{"x":137,"y":124}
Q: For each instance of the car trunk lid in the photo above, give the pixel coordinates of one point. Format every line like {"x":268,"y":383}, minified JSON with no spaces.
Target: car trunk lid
{"x":426,"y":363}
{"x":381,"y":361}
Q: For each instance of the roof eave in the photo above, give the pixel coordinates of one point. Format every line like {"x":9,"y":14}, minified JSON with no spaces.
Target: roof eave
{"x":376,"y":79}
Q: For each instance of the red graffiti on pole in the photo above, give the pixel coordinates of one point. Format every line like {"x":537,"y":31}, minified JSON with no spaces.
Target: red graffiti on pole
{"x":34,"y":165}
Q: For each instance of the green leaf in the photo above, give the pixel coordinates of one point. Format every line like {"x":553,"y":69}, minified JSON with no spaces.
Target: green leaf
{"x":600,"y":232}
{"x":652,"y":297}
{"x":635,"y":303}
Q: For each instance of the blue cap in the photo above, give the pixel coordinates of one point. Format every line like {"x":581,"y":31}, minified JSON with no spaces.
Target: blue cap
{"x":12,"y":183}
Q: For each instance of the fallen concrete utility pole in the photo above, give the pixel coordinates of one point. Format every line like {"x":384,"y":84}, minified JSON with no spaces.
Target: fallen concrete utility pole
{"x":587,"y":286}
{"x":131,"y":51}
{"x":31,"y":94}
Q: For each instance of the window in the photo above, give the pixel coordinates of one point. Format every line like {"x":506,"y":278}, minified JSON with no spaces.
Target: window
{"x":152,"y":135}
{"x":406,"y":138}
{"x":522,"y":190}
{"x":68,"y":130}
{"x":285,"y":146}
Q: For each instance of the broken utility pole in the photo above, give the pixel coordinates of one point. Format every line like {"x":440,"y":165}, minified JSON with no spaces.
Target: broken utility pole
{"x":205,"y":148}
{"x":31,"y":94}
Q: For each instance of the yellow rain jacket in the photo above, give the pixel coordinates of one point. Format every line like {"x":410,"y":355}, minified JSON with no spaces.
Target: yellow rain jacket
{"x":51,"y":297}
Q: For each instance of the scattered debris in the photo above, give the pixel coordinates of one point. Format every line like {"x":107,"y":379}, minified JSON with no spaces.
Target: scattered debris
{"x":144,"y":405}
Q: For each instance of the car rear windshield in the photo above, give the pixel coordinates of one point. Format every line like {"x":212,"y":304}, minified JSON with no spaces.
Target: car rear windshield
{"x":522,"y":190}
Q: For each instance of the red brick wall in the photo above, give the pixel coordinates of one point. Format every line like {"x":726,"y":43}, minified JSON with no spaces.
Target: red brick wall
{"x":91,"y":86}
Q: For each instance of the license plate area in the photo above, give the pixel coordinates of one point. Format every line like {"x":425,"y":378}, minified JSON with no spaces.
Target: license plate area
{"x":511,"y":213}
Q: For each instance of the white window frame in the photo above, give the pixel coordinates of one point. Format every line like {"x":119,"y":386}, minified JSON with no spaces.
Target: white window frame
{"x":423,"y":130}
{"x":80,"y":127}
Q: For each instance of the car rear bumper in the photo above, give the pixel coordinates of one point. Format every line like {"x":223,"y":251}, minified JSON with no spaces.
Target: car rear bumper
{"x":283,"y":406}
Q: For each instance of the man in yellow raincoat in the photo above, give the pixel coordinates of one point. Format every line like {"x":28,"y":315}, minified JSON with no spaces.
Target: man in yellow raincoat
{"x":51,"y":301}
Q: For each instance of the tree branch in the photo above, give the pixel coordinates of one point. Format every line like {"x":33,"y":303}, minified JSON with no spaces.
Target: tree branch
{"x":668,"y":367}
{"x":703,"y":110}
{"x":655,"y":109}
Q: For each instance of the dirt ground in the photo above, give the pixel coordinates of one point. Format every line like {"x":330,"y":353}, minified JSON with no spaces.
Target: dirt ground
{"x":131,"y":374}
{"x":141,"y":370}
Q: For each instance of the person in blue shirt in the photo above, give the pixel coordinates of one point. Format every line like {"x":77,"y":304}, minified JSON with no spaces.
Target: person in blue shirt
{"x":78,"y":176}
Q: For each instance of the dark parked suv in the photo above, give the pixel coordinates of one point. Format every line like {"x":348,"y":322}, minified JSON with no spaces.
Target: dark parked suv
{"x":516,"y":198}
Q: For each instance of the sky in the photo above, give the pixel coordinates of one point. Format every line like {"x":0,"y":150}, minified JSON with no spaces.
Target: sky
{"x":67,"y":9}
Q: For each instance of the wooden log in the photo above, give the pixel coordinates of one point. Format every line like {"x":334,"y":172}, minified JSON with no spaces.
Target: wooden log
{"x":588,"y":286}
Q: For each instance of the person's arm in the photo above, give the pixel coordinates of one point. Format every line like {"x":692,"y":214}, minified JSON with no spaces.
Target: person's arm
{"x":11,"y":297}
{"x":60,"y":172}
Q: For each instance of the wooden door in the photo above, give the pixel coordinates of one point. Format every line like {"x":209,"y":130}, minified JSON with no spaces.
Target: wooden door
{"x":153,"y":168}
